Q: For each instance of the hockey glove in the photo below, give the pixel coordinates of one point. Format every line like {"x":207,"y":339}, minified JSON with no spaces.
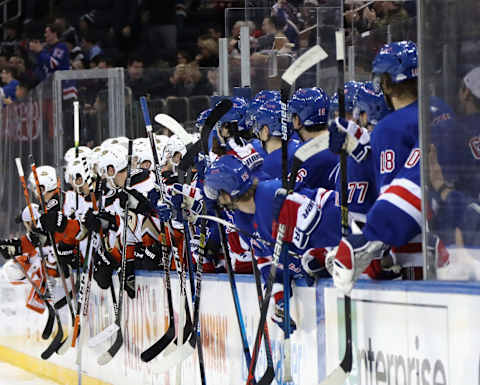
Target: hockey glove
{"x":130,"y":278}
{"x":53,"y":221}
{"x":102,"y":220}
{"x":103,"y":266}
{"x":350,"y":259}
{"x":279,"y":316}
{"x":37,"y":237}
{"x":153,"y":257}
{"x":300,"y":215}
{"x":313,"y":264}
{"x":356,"y":142}
{"x":136,"y":202}
{"x":10,"y":248}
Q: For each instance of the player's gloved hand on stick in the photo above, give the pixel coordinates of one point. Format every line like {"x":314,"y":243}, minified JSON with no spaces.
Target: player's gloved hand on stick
{"x":102,"y":220}
{"x":137,"y":202}
{"x":37,"y":237}
{"x":313,"y":264}
{"x":300,"y":215}
{"x":186,"y":198}
{"x":10,"y":248}
{"x":356,"y":139}
{"x":350,"y":259}
{"x":53,"y":221}
{"x":103,"y":266}
{"x":279,"y":316}
{"x":130,"y":278}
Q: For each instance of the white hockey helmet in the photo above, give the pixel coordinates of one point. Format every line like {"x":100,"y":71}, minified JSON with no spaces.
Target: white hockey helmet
{"x":26,"y":217}
{"x":115,"y":156}
{"x":12,"y":272}
{"x":47,"y":176}
{"x":94,"y":157}
{"x":144,"y":154}
{"x":78,"y":167}
{"x":174,"y":145}
{"x":121,"y":140}
{"x":140,"y":142}
{"x":82,"y":151}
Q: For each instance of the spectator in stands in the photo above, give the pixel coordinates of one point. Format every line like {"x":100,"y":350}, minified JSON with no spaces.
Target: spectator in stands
{"x":389,"y":12}
{"x":287,"y":14}
{"x":90,"y":46}
{"x":22,"y":71}
{"x":234,"y":43}
{"x":187,"y":80}
{"x":183,"y":57}
{"x":101,"y":61}
{"x":208,"y":55}
{"x":66,"y":31}
{"x":23,"y":87}
{"x":161,"y":19}
{"x":52,"y":56}
{"x":9,"y":81}
{"x":274,"y":38}
{"x":135,"y":77}
{"x":77,"y":57}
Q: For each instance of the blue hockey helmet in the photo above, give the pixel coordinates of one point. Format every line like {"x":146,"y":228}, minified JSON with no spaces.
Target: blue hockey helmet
{"x":311,"y":105}
{"x":371,"y":102}
{"x":350,"y":90}
{"x":201,"y":118}
{"x":266,"y":95}
{"x":236,"y":113}
{"x":398,"y":59}
{"x":227,"y":174}
{"x":254,"y":105}
{"x":270,"y":115}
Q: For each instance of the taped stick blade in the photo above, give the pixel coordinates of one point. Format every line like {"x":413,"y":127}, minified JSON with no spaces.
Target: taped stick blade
{"x":313,"y":56}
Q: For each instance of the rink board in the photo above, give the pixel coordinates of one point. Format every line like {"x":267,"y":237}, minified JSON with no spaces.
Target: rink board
{"x":406,"y":332}
{"x":20,"y":331}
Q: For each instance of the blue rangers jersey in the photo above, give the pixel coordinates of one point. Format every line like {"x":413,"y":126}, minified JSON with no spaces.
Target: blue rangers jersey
{"x":319,"y":171}
{"x":272,"y":163}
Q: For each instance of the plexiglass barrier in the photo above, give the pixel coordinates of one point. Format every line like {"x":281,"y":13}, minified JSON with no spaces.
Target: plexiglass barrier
{"x":277,"y":38}
{"x":450,"y":101}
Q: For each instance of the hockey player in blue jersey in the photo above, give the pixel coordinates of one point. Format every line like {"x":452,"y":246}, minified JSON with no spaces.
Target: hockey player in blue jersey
{"x":309,"y":108}
{"x":268,"y":128}
{"x":312,"y":217}
{"x":350,"y":90}
{"x":395,"y":218}
{"x":454,"y":161}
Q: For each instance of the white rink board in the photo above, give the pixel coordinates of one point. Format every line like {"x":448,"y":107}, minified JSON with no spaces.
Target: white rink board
{"x":403,"y":333}
{"x":20,"y":329}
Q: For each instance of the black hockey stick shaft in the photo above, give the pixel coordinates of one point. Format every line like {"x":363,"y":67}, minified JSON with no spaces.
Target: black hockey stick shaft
{"x":196,"y":292}
{"x":117,"y":344}
{"x":169,"y":336}
{"x":47,"y":331}
{"x":233,"y":288}
{"x":269,"y":374}
{"x":346,"y":363}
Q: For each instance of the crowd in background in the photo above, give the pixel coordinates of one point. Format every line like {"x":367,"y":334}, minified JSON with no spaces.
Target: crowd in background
{"x":164,"y":45}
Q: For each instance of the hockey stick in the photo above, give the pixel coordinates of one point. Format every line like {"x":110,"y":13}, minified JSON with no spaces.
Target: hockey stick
{"x":313,"y":56}
{"x":169,"y":335}
{"x":86,"y":276}
{"x":301,"y":155}
{"x":233,"y":289}
{"x":340,"y":374}
{"x":76,"y":143}
{"x":47,"y":331}
{"x":106,"y":357}
{"x":57,"y":341}
{"x":175,"y":127}
{"x":269,"y":374}
{"x":222,"y":107}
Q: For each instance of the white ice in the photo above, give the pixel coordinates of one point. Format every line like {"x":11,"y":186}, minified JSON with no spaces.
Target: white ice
{"x":12,"y":375}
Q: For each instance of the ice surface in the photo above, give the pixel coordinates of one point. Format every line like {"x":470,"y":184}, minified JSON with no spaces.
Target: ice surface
{"x":12,"y":375}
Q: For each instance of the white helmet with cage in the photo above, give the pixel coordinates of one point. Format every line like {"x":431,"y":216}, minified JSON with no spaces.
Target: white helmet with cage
{"x":174,"y":145}
{"x":12,"y":272}
{"x":82,"y":151}
{"x":78,"y":167}
{"x":121,"y":140}
{"x":47,"y":177}
{"x":94,"y":157}
{"x":114,"y":156}
{"x":144,"y":154}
